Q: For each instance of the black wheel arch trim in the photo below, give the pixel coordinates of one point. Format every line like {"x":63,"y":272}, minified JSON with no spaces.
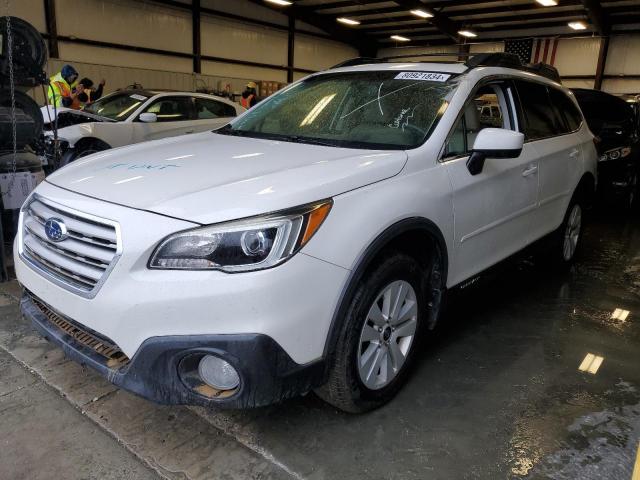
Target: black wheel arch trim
{"x":364,"y":262}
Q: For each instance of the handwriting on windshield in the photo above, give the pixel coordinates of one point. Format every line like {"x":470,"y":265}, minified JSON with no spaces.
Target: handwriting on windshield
{"x":402,"y":119}
{"x":380,"y":97}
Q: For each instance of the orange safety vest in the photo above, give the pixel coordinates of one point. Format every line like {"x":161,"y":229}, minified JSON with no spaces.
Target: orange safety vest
{"x":246,"y":102}
{"x":78,"y":104}
{"x":63,"y":90}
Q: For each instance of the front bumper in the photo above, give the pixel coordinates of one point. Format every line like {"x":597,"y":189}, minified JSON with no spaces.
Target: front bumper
{"x":268,"y":375}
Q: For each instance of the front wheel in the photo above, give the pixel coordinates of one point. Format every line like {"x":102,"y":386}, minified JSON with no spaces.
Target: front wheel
{"x":83,"y":150}
{"x":379,"y":336}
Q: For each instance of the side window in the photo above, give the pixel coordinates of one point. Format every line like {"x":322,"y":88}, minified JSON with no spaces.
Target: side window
{"x":567,"y":108}
{"x":171,"y":109}
{"x":207,"y":108}
{"x":541,"y":119}
{"x":483,"y":110}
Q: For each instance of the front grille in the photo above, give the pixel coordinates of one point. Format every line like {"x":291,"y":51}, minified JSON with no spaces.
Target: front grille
{"x":80,"y":261}
{"x":111,"y":354}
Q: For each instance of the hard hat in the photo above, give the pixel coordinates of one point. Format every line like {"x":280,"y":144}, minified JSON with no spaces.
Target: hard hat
{"x":252,"y":85}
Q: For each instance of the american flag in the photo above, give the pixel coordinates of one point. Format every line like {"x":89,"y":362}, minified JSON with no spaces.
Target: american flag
{"x":533,"y":50}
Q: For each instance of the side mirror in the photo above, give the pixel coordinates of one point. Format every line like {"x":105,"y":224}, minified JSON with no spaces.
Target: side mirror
{"x":148,"y":117}
{"x":494,"y":143}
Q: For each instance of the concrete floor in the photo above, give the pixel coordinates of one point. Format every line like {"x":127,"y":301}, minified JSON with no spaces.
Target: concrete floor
{"x":497,"y":394}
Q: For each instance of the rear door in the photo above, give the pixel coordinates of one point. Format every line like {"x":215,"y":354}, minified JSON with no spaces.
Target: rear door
{"x":175,"y":116}
{"x":211,"y":113}
{"x":493,"y":210}
{"x":551,"y":121}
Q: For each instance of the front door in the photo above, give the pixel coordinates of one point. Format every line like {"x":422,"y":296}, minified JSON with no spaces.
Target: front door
{"x":493,"y":210}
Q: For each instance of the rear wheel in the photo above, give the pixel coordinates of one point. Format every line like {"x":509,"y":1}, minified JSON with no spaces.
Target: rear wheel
{"x":632,"y":192}
{"x":379,"y":336}
{"x":567,"y":238}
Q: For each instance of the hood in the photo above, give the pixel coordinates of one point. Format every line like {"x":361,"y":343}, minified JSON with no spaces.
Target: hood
{"x":208,"y":178}
{"x":68,"y":117}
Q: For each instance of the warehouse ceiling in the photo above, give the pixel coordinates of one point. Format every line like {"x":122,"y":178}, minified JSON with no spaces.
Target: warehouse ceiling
{"x":440,"y":22}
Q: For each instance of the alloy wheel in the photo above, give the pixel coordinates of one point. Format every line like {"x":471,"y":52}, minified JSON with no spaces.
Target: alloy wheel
{"x":387,"y":334}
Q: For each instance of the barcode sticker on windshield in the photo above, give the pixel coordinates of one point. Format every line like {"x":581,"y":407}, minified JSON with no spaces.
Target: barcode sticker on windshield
{"x":424,"y":76}
{"x":135,"y":96}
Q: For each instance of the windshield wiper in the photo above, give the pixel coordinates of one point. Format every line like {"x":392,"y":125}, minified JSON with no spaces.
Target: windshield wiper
{"x":274,"y":136}
{"x":227,"y":130}
{"x":309,"y":140}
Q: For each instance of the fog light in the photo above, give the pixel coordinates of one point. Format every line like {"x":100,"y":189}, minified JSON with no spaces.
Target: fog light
{"x":217,"y":373}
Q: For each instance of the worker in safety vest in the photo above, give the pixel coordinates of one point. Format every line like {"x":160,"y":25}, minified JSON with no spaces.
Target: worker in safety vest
{"x":60,"y":93}
{"x":249,"y":99}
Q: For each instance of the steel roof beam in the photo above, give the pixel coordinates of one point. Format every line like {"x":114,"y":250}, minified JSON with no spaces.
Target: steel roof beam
{"x":439,"y":20}
{"x":366,"y":45}
{"x":597,"y":16}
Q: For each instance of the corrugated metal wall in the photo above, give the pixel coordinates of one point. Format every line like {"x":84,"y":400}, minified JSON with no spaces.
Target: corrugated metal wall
{"x":575,"y":57}
{"x":141,"y":23}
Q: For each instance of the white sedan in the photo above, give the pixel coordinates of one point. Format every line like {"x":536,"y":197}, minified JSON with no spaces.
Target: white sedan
{"x":132,"y":116}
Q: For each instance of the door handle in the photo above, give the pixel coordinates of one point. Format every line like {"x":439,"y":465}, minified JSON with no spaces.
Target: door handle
{"x":574,"y":153}
{"x":530,"y":170}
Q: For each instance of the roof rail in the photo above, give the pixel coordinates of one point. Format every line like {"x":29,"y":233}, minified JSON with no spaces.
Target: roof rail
{"x":545,"y":70}
{"x":495,"y":59}
{"x":358,"y":61}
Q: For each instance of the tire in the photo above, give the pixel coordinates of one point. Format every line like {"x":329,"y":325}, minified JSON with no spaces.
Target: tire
{"x":85,"y":148}
{"x":357,"y":382}
{"x":631,"y":200}
{"x":568,"y":237}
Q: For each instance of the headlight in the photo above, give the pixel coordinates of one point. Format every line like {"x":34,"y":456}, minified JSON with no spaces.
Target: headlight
{"x":243,"y":245}
{"x":615,"y":154}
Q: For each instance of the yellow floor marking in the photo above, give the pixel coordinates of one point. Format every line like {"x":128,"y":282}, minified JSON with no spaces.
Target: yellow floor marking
{"x":636,"y":469}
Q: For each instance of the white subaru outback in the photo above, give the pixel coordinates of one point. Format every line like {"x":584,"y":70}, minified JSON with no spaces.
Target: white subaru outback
{"x":309,"y":243}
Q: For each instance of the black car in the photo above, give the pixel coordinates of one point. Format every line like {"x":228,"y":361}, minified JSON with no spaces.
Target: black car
{"x":614,"y":123}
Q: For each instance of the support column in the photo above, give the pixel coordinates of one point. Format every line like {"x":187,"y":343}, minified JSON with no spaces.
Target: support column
{"x":463,"y":52}
{"x":602,"y":62}
{"x":52,"y":28}
{"x":195,"y":29}
{"x":291,"y":48}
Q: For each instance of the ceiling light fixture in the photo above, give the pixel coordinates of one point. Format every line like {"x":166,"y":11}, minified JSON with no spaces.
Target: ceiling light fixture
{"x":421,"y":13}
{"x":400,"y":38}
{"x":347,"y":21}
{"x":577,"y":25}
{"x":467,"y":33}
{"x":547,"y":3}
{"x":282,"y":3}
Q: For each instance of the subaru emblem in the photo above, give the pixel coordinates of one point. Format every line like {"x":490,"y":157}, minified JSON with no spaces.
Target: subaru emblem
{"x":55,"y":229}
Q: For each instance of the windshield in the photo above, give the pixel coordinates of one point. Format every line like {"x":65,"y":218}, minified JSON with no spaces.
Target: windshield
{"x":117,"y":106}
{"x":379,"y":110}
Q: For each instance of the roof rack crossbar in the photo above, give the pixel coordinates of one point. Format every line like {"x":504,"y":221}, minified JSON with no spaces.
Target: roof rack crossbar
{"x":476,"y":59}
